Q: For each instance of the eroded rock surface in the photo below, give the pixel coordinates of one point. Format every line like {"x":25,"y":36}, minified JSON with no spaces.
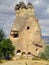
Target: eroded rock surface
{"x":26,"y":33}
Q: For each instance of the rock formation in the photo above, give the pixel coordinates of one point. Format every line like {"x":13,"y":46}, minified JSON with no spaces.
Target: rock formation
{"x":26,"y":33}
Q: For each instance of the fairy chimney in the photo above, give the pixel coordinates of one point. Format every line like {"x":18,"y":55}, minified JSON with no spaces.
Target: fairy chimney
{"x":26,"y":33}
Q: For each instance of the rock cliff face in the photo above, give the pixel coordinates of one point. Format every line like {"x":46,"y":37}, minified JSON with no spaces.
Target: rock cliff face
{"x":26,"y":33}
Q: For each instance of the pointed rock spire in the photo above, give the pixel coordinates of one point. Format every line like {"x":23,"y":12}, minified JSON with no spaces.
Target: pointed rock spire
{"x":29,"y":5}
{"x":22,"y":5}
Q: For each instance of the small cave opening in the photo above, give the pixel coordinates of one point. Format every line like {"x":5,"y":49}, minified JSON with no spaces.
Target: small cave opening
{"x":16,"y":35}
{"x":29,"y":53}
{"x":28,"y":27}
{"x":23,"y":53}
{"x":36,"y":49}
{"x":18,"y":51}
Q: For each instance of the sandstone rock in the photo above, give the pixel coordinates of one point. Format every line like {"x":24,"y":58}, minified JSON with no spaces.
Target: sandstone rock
{"x":14,"y":58}
{"x":17,"y":7}
{"x":26,"y":33}
{"x":29,"y":5}
{"x":20,"y":5}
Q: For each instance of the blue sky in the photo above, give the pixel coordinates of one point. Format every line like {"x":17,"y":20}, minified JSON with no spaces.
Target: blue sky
{"x":7,"y":14}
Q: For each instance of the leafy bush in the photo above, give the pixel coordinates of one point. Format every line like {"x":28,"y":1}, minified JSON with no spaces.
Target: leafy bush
{"x":2,"y":34}
{"x":6,"y":49}
{"x":45,"y":54}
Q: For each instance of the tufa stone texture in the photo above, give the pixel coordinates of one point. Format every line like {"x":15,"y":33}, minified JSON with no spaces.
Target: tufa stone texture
{"x":26,"y":33}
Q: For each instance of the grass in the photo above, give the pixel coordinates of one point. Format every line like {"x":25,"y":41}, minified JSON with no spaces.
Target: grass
{"x":0,"y":61}
{"x":3,"y":61}
{"x":26,"y":63}
{"x":36,"y":58}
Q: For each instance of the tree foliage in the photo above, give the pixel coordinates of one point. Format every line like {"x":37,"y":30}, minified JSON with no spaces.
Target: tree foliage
{"x":2,"y":34}
{"x":45,"y":54}
{"x":6,"y":49}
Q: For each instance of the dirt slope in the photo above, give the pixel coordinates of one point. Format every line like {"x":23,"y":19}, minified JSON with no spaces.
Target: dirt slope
{"x":26,"y":62}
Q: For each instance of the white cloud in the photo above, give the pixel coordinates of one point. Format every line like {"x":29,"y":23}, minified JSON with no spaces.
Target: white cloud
{"x":44,"y":24}
{"x":45,"y":34}
{"x":7,"y":13}
{"x":36,"y":2}
{"x":47,"y":10}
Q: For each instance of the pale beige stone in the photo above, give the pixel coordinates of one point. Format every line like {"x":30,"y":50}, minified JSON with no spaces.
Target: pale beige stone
{"x":27,"y":32}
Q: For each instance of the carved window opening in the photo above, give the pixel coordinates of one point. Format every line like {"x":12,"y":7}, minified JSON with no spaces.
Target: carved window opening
{"x":23,"y":53}
{"x":38,"y":45}
{"x":37,"y":49}
{"x":29,"y":53}
{"x":14,"y":34}
{"x":28,"y":27}
{"x":18,"y":51}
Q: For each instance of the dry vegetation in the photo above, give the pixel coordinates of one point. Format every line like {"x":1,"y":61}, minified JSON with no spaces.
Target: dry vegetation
{"x":26,"y":62}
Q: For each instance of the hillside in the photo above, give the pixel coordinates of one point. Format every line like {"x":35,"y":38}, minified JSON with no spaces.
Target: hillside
{"x":26,"y":62}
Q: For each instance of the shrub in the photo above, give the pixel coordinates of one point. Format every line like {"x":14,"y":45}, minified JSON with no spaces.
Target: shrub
{"x":45,"y":54}
{"x":2,"y":34}
{"x":6,"y":49}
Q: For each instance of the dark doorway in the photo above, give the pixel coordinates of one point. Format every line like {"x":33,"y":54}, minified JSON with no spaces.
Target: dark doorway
{"x":23,"y":53}
{"x":16,"y":35}
{"x":18,"y":51}
{"x":28,"y":27}
{"x":29,"y":53}
{"x":37,"y":49}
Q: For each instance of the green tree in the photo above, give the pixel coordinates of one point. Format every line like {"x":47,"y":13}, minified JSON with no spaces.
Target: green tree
{"x":2,"y":35}
{"x":1,"y":53}
{"x":6,"y":49}
{"x":45,"y":54}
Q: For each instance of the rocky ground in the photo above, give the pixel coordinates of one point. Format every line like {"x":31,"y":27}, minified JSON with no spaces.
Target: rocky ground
{"x":26,"y":62}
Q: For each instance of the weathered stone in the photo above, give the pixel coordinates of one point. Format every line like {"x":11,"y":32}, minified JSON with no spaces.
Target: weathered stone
{"x":29,"y":5}
{"x":17,"y":7}
{"x":26,"y":32}
{"x":22,"y":5}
